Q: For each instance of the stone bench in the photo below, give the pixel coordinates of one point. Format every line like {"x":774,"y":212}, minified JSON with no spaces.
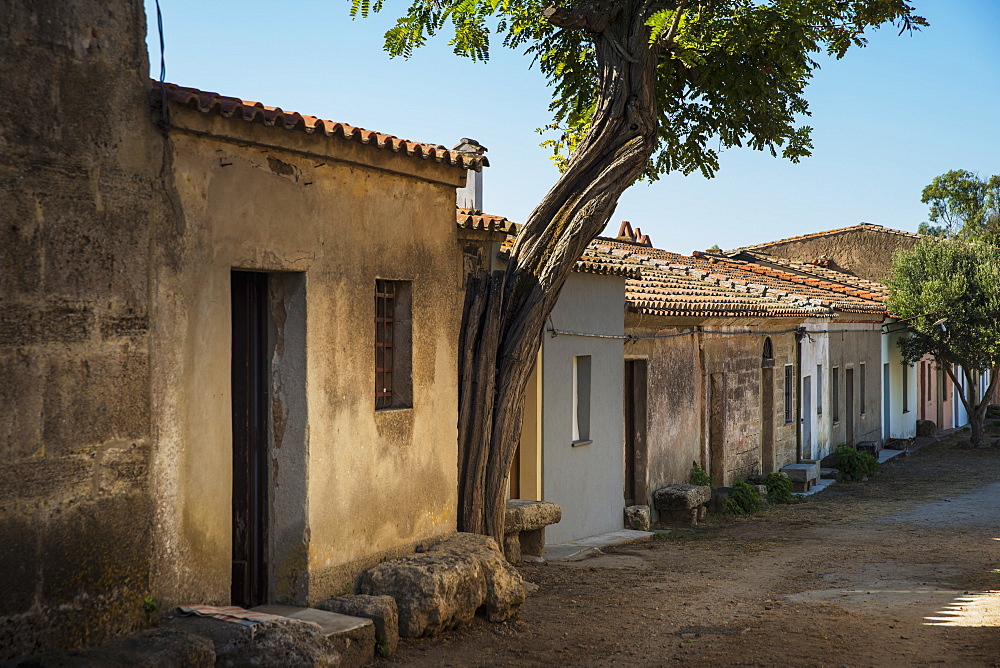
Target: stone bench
{"x":803,"y":475}
{"x":524,"y":527}
{"x":682,"y":504}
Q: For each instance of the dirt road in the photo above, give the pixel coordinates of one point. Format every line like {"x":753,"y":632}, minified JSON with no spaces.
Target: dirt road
{"x":899,"y":571}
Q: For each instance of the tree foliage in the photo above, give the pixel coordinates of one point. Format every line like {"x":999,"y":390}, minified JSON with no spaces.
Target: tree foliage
{"x":639,"y":88}
{"x":948,"y":292}
{"x":963,"y":206}
{"x":730,"y":73}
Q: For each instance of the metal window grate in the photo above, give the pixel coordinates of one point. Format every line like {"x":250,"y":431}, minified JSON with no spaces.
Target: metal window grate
{"x":385,"y":308}
{"x":789,"y":397}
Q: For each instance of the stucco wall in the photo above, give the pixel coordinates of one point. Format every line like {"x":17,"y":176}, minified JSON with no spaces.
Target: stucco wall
{"x":349,"y":484}
{"x":863,"y":252}
{"x":902,"y":423}
{"x":587,"y":481}
{"x":842,"y":346}
{"x":79,"y":162}
{"x":681,"y":364}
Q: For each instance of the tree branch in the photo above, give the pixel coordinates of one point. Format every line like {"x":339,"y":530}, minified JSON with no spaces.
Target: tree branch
{"x":668,"y":38}
{"x":592,"y":16}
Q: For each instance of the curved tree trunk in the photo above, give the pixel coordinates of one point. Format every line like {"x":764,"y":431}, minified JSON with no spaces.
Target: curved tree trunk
{"x":505,"y":312}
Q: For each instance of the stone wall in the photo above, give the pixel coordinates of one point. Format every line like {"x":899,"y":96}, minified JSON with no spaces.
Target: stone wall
{"x":79,"y":165}
{"x":683,"y":373}
{"x":862,"y":251}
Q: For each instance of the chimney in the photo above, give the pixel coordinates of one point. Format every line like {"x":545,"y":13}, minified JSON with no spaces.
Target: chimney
{"x":471,"y":196}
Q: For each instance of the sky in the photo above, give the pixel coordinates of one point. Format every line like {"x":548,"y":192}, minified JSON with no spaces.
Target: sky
{"x":887,"y":119}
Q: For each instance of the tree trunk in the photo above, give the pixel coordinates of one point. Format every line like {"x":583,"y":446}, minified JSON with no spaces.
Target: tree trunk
{"x":505,"y":313}
{"x":975,"y":406}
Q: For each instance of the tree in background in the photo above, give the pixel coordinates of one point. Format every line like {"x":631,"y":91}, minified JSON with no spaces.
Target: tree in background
{"x":639,"y":88}
{"x":949,"y":292}
{"x":963,"y":206}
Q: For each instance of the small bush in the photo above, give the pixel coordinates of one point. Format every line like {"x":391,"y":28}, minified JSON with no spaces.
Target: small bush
{"x":699,"y":476}
{"x":743,"y":499}
{"x":779,"y":488}
{"x":855,"y":464}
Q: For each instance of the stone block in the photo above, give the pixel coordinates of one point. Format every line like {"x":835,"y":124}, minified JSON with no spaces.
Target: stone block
{"x":21,"y":398}
{"x":802,"y":472}
{"x":152,"y":648}
{"x":445,"y":586}
{"x":31,"y":482}
{"x":27,"y":324}
{"x":285,"y":642}
{"x":526,"y":515}
{"x":637,"y":518}
{"x":122,"y":468}
{"x":97,"y":548}
{"x":95,"y":399}
{"x":524,"y":527}
{"x":352,"y":638}
{"x":681,"y":497}
{"x":380,"y":609}
{"x":19,"y":556}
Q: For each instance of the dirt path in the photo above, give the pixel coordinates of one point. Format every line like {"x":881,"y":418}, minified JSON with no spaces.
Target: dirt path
{"x":899,"y":571}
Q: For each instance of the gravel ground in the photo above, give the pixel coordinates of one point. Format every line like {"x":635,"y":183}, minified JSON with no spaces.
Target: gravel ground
{"x":902,"y":570}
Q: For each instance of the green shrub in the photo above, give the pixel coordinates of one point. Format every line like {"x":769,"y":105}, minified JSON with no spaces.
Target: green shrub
{"x":779,"y":487}
{"x":743,"y":499}
{"x":855,"y":464}
{"x":699,"y":476}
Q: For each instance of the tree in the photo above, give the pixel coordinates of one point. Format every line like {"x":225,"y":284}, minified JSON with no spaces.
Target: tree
{"x":949,"y":293}
{"x":640,"y":88}
{"x":964,"y":206}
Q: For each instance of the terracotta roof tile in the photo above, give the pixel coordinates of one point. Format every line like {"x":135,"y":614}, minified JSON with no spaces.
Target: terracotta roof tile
{"x":474,"y":219}
{"x":255,"y":112}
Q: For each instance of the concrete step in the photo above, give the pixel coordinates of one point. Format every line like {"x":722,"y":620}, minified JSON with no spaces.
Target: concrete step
{"x":353,"y":637}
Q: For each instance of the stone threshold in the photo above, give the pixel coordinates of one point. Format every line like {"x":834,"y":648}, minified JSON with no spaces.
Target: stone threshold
{"x":581,"y":548}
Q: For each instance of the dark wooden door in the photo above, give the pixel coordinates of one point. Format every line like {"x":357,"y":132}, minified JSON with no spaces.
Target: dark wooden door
{"x":717,"y":430}
{"x":849,"y":407}
{"x":635,"y":432}
{"x":767,"y":419}
{"x":250,"y":382}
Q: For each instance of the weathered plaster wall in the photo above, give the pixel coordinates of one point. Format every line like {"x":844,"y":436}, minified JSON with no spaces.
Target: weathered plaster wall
{"x":680,"y":371}
{"x":587,"y":481}
{"x":901,"y":423}
{"x":863,"y":252}
{"x":852,"y":345}
{"x":79,"y":163}
{"x":355,"y":484}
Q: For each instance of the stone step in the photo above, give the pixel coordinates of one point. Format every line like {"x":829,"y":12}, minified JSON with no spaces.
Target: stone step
{"x":354,"y":637}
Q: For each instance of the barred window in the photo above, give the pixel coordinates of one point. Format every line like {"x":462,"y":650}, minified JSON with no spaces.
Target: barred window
{"x":392,"y":344}
{"x":789,"y":393}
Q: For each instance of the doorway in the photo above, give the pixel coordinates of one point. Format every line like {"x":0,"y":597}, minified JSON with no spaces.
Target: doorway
{"x":807,"y":449}
{"x":250,"y":378}
{"x":886,"y":412}
{"x":849,"y":408}
{"x":635,"y":433}
{"x":717,"y":430}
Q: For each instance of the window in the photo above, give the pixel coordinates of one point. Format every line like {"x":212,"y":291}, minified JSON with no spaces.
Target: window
{"x":581,"y":400}
{"x":767,"y":358}
{"x":861,"y":390}
{"x":789,"y":394}
{"x":393,"y":385}
{"x":819,"y":389}
{"x":835,"y":394}
{"x":906,"y":388}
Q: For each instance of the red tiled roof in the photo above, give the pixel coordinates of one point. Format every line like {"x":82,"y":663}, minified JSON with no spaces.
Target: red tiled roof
{"x":474,"y":219}
{"x":755,"y":284}
{"x":255,"y":112}
{"x":827,"y":233}
{"x":819,"y":271}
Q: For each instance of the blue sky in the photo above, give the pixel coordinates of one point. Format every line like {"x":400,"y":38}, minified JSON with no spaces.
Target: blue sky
{"x":886,"y":118}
